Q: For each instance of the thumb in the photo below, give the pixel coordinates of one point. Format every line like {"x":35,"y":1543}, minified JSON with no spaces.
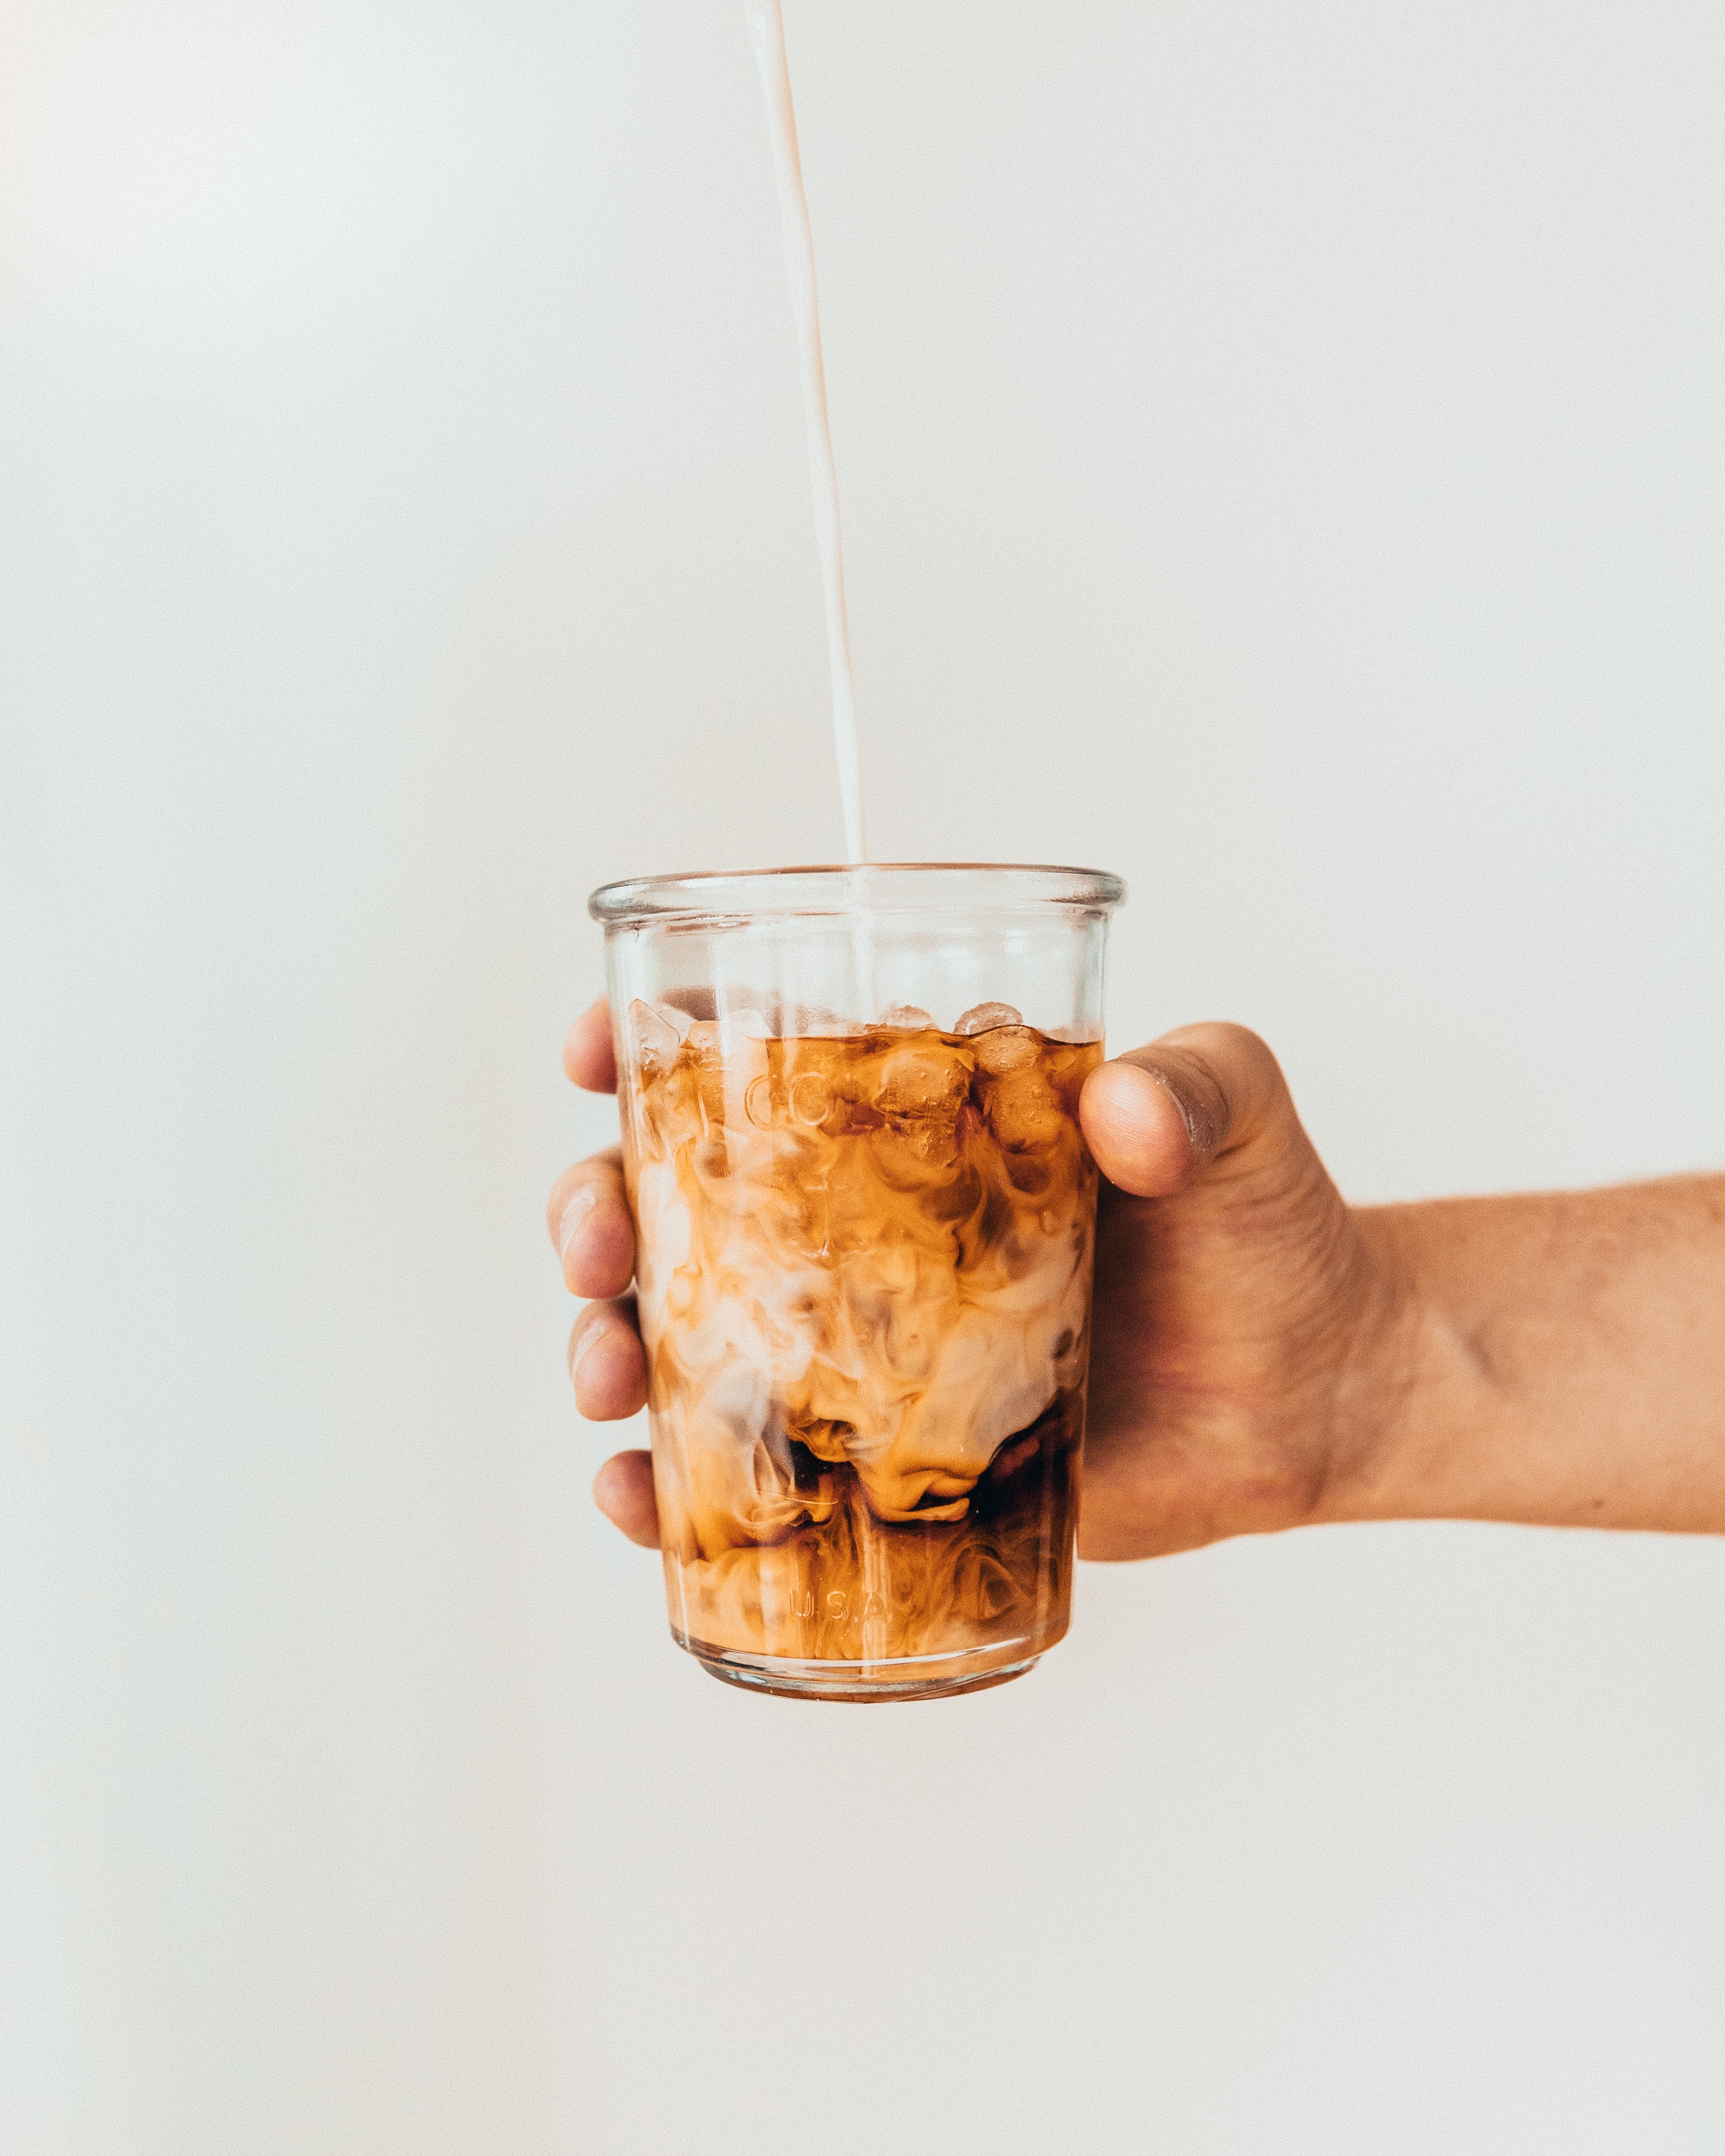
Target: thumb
{"x":1158,"y":1117}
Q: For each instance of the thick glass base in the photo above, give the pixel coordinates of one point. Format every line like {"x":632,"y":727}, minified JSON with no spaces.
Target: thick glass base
{"x":921,"y":1676}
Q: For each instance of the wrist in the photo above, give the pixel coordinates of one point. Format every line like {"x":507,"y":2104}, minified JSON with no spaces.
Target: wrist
{"x":1410,"y":1386}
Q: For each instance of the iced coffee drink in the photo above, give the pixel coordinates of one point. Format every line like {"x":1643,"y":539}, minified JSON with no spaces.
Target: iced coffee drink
{"x":863,"y":1276}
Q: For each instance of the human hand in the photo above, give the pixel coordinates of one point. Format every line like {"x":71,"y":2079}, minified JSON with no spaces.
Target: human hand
{"x":1243,"y":1316}
{"x":1246,"y":1323}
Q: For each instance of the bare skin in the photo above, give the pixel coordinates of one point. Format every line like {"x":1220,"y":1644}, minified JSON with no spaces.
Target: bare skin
{"x":1266,"y":1356}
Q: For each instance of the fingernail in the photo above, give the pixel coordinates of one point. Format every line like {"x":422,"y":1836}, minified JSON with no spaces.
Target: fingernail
{"x":579,"y":1352}
{"x":574,"y":1212}
{"x":1192,"y":1119}
{"x":1197,"y":1122}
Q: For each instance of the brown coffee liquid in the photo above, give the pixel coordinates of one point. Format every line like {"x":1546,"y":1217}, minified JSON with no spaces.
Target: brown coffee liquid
{"x":864,"y":1289}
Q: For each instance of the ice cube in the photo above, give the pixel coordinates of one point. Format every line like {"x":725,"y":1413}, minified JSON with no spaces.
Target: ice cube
{"x":656,"y":1031}
{"x":906,"y":1017}
{"x":1023,"y":1109}
{"x":983,"y":1018}
{"x":1005,"y":1047}
{"x":922,"y":1081}
{"x":704,"y":1072}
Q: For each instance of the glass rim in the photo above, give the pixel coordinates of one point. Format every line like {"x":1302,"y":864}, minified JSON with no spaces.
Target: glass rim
{"x":838,"y":888}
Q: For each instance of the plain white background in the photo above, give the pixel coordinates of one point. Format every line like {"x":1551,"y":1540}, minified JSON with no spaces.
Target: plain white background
{"x":1282,"y":457}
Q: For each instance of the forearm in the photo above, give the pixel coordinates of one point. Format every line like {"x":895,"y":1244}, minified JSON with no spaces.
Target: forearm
{"x":1556,"y":1359}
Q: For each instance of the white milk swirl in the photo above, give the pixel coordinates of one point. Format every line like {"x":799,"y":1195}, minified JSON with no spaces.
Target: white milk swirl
{"x":766,"y":29}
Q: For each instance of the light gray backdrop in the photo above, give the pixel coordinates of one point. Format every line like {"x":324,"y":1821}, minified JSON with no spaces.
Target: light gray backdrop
{"x":1281,"y":450}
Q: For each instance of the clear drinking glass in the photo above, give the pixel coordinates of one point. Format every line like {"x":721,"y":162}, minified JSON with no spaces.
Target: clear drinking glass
{"x":864,"y":1221}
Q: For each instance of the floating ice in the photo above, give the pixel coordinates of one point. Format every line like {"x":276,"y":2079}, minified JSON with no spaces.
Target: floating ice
{"x":983,"y":1018}
{"x":1005,"y":1047}
{"x":657,"y":1030}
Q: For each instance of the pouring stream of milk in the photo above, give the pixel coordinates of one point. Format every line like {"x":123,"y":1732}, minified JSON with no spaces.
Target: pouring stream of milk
{"x":766,"y":29}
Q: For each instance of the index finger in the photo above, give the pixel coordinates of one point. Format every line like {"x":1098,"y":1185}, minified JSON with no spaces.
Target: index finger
{"x":589,"y":1056}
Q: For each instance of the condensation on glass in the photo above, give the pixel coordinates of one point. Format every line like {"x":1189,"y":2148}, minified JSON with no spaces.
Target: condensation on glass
{"x":865,"y":1218}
